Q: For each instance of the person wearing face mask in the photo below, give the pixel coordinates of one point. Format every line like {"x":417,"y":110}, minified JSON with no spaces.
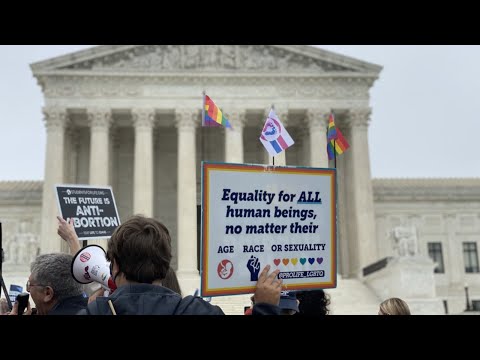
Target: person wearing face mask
{"x":139,"y":252}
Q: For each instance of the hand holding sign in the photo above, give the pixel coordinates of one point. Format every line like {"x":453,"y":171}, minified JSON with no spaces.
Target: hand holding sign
{"x":67,"y":233}
{"x":268,"y":287}
{"x":254,"y":266}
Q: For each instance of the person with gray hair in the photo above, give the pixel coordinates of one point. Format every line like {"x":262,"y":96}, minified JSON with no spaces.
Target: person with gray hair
{"x":52,"y":286}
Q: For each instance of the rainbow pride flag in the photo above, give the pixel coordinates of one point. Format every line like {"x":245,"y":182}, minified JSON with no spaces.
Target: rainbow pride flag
{"x":341,"y":145}
{"x":332,"y":130}
{"x":336,"y":142}
{"x":212,"y":115}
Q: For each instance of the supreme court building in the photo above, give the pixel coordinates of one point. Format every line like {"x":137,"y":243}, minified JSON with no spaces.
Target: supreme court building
{"x":129,"y":116}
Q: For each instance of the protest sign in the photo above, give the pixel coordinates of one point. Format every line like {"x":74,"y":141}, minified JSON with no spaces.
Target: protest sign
{"x":254,"y":215}
{"x":14,"y":291}
{"x":92,"y":209}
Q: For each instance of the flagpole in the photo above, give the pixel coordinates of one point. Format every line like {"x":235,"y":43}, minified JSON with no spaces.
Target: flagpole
{"x":334,"y":155}
{"x":334,"y":147}
{"x":273,"y":157}
{"x":203,"y":108}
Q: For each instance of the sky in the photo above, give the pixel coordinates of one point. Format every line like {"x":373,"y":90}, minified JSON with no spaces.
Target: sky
{"x":424,"y":122}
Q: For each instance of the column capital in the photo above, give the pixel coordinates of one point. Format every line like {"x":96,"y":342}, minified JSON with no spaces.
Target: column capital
{"x":237,"y":117}
{"x":186,"y":119}
{"x":359,"y":117}
{"x":55,"y":118}
{"x":317,"y":117}
{"x":143,"y":118}
{"x":99,"y":118}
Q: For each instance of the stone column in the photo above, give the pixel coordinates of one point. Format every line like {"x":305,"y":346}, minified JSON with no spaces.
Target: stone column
{"x":71,"y":154}
{"x":143,"y":120}
{"x":114,"y":144}
{"x":72,"y":143}
{"x":360,"y":201}
{"x":55,"y":122}
{"x":280,"y":159}
{"x":186,"y":121}
{"x":100,"y":121}
{"x":303,"y":143}
{"x":345,"y":240}
{"x":454,"y":261}
{"x":234,"y":137}
{"x":317,"y":123}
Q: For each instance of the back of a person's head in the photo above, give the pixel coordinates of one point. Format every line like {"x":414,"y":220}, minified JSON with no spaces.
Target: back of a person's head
{"x":142,"y":249}
{"x":313,"y":302}
{"x":55,"y":270}
{"x":394,"y":306}
{"x":171,"y":281}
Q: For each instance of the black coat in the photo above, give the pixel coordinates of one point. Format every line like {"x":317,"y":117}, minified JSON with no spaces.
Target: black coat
{"x":69,"y":306}
{"x":147,"y":299}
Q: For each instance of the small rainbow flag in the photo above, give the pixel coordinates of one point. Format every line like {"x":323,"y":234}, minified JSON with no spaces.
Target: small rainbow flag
{"x":332,"y":130}
{"x":212,"y":115}
{"x":335,"y":139}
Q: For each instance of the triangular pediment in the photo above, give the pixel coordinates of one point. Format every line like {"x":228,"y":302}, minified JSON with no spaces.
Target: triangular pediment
{"x":205,"y":58}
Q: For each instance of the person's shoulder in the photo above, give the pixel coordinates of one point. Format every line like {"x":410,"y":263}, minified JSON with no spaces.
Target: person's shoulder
{"x":194,"y":305}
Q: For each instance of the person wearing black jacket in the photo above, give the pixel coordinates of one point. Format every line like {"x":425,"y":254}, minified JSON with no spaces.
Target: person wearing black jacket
{"x":52,"y":287}
{"x":139,"y":252}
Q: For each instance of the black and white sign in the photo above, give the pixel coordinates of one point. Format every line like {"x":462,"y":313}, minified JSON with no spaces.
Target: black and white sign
{"x":92,"y":209}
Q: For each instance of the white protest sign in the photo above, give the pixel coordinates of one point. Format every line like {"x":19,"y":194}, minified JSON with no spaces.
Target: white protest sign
{"x":92,"y":209}
{"x":254,"y":215}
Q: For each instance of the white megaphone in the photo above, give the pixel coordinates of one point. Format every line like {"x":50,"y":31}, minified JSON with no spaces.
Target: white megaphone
{"x":90,"y":264}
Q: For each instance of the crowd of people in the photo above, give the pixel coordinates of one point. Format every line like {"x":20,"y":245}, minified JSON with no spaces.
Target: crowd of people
{"x":139,"y":252}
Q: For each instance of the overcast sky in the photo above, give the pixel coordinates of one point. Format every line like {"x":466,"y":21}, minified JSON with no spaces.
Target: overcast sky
{"x":425,"y":119}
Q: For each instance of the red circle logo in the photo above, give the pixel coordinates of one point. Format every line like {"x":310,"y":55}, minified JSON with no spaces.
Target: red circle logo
{"x":84,"y":257}
{"x":225,"y":269}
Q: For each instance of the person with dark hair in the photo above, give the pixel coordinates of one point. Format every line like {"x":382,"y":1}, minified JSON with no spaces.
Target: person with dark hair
{"x":139,"y":252}
{"x":171,"y":281}
{"x":313,"y":302}
{"x":52,"y":287}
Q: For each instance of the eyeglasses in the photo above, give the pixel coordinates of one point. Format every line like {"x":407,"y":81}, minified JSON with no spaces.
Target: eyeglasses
{"x":29,"y":285}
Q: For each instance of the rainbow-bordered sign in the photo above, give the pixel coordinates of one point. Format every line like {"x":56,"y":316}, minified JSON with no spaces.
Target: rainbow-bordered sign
{"x":254,"y":215}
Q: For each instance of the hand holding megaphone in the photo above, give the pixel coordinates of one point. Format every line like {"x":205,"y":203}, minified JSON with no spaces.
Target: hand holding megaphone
{"x":90,"y":264}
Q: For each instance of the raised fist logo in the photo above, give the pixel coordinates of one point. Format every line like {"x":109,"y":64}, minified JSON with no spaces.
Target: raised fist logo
{"x":225,"y":269}
{"x":253,"y":265}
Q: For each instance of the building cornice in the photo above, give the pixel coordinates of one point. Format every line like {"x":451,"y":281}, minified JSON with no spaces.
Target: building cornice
{"x":427,"y":189}
{"x":21,"y":192}
{"x":209,"y":58}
